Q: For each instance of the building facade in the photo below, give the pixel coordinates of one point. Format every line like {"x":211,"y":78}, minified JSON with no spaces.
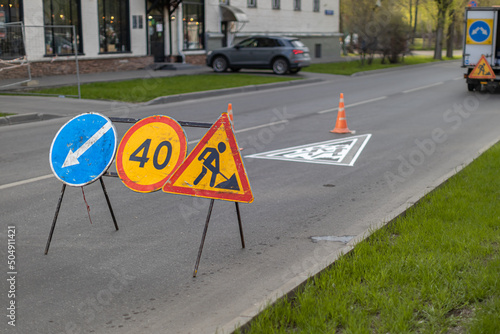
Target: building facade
{"x":113,"y":35}
{"x":315,"y":22}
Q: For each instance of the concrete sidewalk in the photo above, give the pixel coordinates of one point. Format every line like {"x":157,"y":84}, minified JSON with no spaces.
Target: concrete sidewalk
{"x":72,"y":79}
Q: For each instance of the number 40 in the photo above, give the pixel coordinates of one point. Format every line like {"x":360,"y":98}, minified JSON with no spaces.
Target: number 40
{"x":143,"y":158}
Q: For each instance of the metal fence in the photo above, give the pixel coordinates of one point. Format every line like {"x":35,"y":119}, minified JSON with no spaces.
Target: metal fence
{"x":14,"y":66}
{"x":31,"y":54}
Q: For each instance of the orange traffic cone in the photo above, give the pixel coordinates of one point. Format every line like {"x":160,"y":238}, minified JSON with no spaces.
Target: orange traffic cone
{"x":341,"y":124}
{"x":230,"y":113}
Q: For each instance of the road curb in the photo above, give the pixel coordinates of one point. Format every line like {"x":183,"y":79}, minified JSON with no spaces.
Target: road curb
{"x":229,"y":91}
{"x":33,"y":117}
{"x":25,"y":118}
{"x":292,"y":286}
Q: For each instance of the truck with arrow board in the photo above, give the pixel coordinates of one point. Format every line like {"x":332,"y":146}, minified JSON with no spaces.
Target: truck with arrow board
{"x":481,"y":52}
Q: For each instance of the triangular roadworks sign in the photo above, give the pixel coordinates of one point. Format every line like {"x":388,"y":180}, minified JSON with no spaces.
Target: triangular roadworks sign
{"x":214,"y":168}
{"x":482,"y":70}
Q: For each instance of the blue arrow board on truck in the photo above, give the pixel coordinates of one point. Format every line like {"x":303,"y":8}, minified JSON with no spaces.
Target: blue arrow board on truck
{"x":83,"y":149}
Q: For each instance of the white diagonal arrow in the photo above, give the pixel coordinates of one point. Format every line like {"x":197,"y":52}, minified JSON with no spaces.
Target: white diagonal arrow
{"x":72,"y":158}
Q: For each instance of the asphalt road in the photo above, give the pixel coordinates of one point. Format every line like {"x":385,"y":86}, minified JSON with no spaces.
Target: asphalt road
{"x":423,"y":123}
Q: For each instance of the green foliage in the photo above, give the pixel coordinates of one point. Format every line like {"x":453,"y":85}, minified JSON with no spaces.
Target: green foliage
{"x":433,"y":271}
{"x":418,"y":44}
{"x":393,"y":40}
{"x":421,"y":18}
{"x":381,"y":27}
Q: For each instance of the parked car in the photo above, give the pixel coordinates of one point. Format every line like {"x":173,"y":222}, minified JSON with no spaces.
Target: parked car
{"x":281,"y":54}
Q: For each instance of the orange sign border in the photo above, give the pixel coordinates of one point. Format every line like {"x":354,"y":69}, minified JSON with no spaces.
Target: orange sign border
{"x":492,"y":76}
{"x":119,"y":155}
{"x":246,"y":197}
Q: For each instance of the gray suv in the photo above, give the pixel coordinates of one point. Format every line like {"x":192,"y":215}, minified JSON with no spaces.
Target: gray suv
{"x":281,"y":54}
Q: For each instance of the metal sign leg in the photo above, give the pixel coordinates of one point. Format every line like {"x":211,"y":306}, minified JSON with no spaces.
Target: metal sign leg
{"x":203,"y":237}
{"x":55,"y":219}
{"x":239,"y":223}
{"x":109,"y":203}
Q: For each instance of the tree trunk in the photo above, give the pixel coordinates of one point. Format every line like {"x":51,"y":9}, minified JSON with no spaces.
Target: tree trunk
{"x":451,"y":36}
{"x":439,"y":33}
{"x":438,"y":50}
{"x":415,"y":26}
{"x":410,"y":12}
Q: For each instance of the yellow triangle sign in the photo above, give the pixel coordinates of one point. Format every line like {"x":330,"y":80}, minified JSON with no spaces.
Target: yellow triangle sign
{"x":214,"y":168}
{"x":482,"y":70}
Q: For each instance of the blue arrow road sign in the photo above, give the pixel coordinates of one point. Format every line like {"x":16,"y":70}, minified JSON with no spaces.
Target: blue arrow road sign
{"x":479,"y":31}
{"x":83,"y":149}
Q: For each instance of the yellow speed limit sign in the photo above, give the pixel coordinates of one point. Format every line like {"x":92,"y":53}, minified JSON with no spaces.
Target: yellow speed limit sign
{"x":149,"y":152}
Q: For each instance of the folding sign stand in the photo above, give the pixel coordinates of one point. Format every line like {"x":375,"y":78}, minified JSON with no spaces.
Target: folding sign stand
{"x":59,"y":207}
{"x":81,"y":153}
{"x":84,"y":148}
{"x":205,"y":233}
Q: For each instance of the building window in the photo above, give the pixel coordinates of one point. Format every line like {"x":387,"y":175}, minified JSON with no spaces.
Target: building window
{"x":296,"y":4}
{"x":276,"y":4}
{"x":11,"y":36}
{"x":317,"y":50}
{"x":11,"y":11}
{"x":58,"y":40}
{"x":114,"y":26}
{"x":193,"y":24}
{"x":252,"y":3}
{"x":316,"y":6}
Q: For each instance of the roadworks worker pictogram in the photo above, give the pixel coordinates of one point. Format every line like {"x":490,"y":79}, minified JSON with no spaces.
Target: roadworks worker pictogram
{"x":482,"y":70}
{"x":211,"y":162}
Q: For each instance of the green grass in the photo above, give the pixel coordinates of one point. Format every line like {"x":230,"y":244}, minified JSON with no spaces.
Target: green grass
{"x":351,"y":67}
{"x":142,"y":90}
{"x":4,"y":114}
{"x":436,"y":270}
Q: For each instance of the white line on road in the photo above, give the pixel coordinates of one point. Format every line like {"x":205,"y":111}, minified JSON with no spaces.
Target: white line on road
{"x":354,"y":104}
{"x":261,"y":126}
{"x":422,"y":87}
{"x":20,"y":183}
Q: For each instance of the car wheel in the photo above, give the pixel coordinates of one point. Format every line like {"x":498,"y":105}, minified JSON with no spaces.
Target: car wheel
{"x":471,"y":87}
{"x":295,"y":70}
{"x":280,"y":66}
{"x":220,"y":64}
